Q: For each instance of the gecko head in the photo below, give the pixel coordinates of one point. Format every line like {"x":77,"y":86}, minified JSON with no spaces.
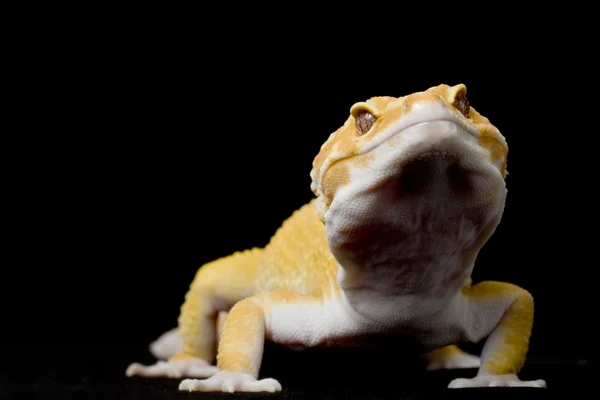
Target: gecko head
{"x":425,"y":141}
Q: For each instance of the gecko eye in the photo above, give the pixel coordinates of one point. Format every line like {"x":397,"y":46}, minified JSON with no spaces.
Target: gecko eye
{"x":364,"y":121}
{"x":364,"y":117}
{"x":461,"y":103}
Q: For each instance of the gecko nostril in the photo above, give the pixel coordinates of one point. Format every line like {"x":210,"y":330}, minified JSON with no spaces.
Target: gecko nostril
{"x":458,"y":178}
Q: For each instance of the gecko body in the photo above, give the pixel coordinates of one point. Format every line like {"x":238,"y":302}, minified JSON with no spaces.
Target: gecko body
{"x":407,"y":192}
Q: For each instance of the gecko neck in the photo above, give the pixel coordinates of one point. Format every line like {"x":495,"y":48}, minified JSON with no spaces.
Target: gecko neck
{"x":381,"y":284}
{"x":417,"y":245}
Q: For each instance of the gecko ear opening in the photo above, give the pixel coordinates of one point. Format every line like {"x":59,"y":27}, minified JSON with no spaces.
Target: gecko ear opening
{"x":320,"y":208}
{"x":320,"y":204}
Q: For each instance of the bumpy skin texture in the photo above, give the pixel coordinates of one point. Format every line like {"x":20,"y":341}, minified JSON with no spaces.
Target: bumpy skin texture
{"x":408,"y":191}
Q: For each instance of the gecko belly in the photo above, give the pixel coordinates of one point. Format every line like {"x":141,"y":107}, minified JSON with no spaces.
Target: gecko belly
{"x":336,"y":324}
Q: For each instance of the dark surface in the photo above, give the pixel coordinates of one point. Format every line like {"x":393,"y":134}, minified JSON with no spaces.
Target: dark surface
{"x":98,"y":373}
{"x":156,"y":172}
{"x":143,"y":152}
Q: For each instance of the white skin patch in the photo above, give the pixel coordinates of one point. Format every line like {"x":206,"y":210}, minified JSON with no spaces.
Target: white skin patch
{"x":309,"y":324}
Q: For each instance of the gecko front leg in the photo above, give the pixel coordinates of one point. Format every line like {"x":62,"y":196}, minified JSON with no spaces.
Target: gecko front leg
{"x":248,"y":324}
{"x":170,"y":342}
{"x":197,"y":333}
{"x":450,"y":357}
{"x":503,"y":313}
{"x":191,"y":347}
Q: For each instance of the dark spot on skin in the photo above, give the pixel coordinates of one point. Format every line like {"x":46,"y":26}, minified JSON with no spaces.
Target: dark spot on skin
{"x":364,"y":121}
{"x":461,"y":103}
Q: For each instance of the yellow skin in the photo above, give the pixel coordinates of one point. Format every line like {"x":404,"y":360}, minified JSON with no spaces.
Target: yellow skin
{"x":318,"y":264}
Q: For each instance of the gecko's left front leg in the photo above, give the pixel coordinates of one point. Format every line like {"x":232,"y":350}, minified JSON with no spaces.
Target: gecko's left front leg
{"x":503,"y":313}
{"x":240,"y":350}
{"x":450,"y":357}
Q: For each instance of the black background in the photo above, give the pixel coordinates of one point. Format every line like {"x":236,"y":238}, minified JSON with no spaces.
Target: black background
{"x":142,"y":154}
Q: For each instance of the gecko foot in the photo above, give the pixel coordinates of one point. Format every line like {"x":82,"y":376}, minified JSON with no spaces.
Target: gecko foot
{"x":230,"y":382}
{"x":192,"y":368}
{"x":486,"y":380}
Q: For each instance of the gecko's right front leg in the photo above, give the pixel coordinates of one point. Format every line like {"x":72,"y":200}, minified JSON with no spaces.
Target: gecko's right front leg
{"x":198,"y":334}
{"x":241,"y":346}
{"x":216,"y":287}
{"x":169,"y":346}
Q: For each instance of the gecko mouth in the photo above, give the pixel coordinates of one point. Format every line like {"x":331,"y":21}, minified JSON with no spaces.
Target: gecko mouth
{"x":455,"y":121}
